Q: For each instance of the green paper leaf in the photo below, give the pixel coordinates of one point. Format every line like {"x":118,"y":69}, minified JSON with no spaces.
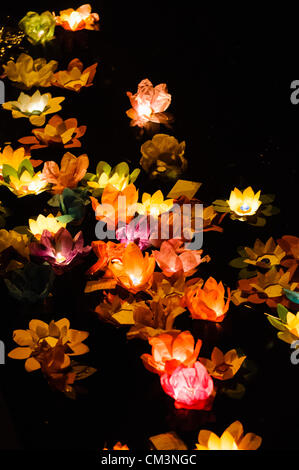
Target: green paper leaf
{"x":103,"y":167}
{"x":291,"y":295}
{"x":282,"y":312}
{"x":235,"y":393}
{"x":65,"y":219}
{"x":82,"y":370}
{"x":8,"y":171}
{"x":276,"y":322}
{"x":259,"y":222}
{"x":220,"y":202}
{"x":54,"y":201}
{"x":267,"y":198}
{"x":25,"y":165}
{"x":134,"y":175}
{"x":237,"y":263}
{"x":247,"y":273}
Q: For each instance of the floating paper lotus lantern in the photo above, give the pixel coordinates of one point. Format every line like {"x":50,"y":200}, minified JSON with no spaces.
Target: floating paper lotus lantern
{"x":31,"y":340}
{"x":170,"y":351}
{"x":287,"y":324}
{"x":27,"y":72}
{"x":11,"y":157}
{"x":118,"y":446}
{"x":244,"y":203}
{"x":56,"y":132}
{"x":74,"y":78}
{"x":137,"y":231}
{"x":163,"y":156}
{"x":60,"y":250}
{"x":42,"y":223}
{"x":134,"y":272}
{"x":34,"y":107}
{"x":19,"y":243}
{"x":190,"y":387}
{"x":223,"y":366}
{"x":39,"y":29}
{"x":23,"y":181}
{"x":207,"y":302}
{"x":106,"y":252}
{"x":119,"y":176}
{"x":75,"y":20}
{"x":72,"y":170}
{"x":154,"y":205}
{"x":173,"y":258}
{"x":233,"y":438}
{"x":111,"y":210}
{"x":149,"y":104}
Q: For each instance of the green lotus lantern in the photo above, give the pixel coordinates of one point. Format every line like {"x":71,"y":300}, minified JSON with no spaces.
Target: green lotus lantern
{"x":39,"y":29}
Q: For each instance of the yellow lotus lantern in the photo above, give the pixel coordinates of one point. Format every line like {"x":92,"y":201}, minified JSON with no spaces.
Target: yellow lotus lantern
{"x":34,"y":107}
{"x":154,"y":205}
{"x":27,"y":72}
{"x":11,"y":157}
{"x":42,"y":223}
{"x":26,"y":184}
{"x":233,"y":438}
{"x":244,"y":203}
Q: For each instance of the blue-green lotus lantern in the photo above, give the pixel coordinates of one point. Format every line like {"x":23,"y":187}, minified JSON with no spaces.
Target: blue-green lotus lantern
{"x":39,"y":29}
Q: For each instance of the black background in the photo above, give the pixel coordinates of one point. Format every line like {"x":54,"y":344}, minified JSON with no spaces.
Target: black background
{"x":229,"y":74}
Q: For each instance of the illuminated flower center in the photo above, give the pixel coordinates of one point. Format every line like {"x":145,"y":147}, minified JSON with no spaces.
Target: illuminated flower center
{"x":245,"y":207}
{"x":221,"y":368}
{"x":36,"y":107}
{"x":135,"y":279}
{"x":74,"y":19}
{"x":60,"y":258}
{"x":40,"y":33}
{"x":154,"y":211}
{"x":144,"y":109}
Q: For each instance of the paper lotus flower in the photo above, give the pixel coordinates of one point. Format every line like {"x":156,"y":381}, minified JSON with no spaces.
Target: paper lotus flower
{"x":173,"y":258}
{"x":107,"y":252}
{"x":244,"y":203}
{"x":119,"y":177}
{"x":287,"y":324}
{"x":149,"y":104}
{"x":38,"y":28}
{"x":268,"y":287}
{"x":34,"y":107}
{"x":207,"y":302}
{"x":154,"y":205}
{"x":23,"y":181}
{"x":223,"y":366}
{"x":11,"y":157}
{"x":135,"y":271}
{"x":56,"y":132}
{"x":112,"y":210}
{"x":42,"y":223}
{"x":31,"y":284}
{"x":27,"y":72}
{"x":233,"y":438}
{"x":72,"y":170}
{"x":170,"y":351}
{"x":155,"y":317}
{"x":190,"y":387}
{"x":74,"y":78}
{"x":60,"y":250}
{"x":17,"y":245}
{"x":137,"y":231}
{"x":163,"y":156}
{"x":119,"y":446}
{"x":30,"y":341}
{"x":75,"y":20}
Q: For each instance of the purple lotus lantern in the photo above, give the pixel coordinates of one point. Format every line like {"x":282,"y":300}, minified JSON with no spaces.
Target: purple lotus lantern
{"x":60,"y":250}
{"x":137,"y":231}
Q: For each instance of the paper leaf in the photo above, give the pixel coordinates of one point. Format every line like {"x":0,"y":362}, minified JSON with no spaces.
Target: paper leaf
{"x":65,"y":219}
{"x":100,"y":284}
{"x":184,"y":188}
{"x":168,"y":441}
{"x":235,"y":393}
{"x":124,"y":317}
{"x":291,"y":295}
{"x":237,"y":263}
{"x":267,"y":198}
{"x":276,"y":322}
{"x":8,"y":171}
{"x":82,"y":371}
{"x":54,"y":201}
{"x":25,"y":165}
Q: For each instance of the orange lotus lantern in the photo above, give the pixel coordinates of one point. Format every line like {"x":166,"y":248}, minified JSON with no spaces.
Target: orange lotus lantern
{"x":75,"y":20}
{"x":106,"y":253}
{"x":72,"y":171}
{"x":208,"y":302}
{"x":75,"y":77}
{"x":170,"y":351}
{"x":135,"y":271}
